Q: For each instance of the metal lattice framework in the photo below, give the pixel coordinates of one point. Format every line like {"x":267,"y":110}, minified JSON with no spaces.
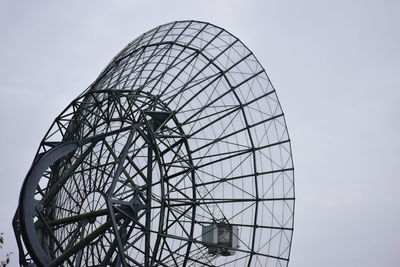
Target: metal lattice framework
{"x":182,"y":129}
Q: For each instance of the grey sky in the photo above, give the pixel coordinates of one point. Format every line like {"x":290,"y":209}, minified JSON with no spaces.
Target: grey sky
{"x":336,"y":68}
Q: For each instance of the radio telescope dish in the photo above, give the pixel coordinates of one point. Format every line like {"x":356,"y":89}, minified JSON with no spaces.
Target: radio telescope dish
{"x":177,"y":155}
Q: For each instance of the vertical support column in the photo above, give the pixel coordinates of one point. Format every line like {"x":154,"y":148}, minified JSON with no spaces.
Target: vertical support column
{"x":148,"y":200}
{"x":158,"y":120}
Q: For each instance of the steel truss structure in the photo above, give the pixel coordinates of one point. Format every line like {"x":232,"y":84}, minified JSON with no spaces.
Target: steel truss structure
{"x":182,"y":130}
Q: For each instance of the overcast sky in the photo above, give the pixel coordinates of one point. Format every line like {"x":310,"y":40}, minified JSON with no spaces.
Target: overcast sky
{"x":336,"y":68}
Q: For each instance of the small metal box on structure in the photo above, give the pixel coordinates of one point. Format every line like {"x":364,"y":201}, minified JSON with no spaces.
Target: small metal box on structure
{"x":221,"y":238}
